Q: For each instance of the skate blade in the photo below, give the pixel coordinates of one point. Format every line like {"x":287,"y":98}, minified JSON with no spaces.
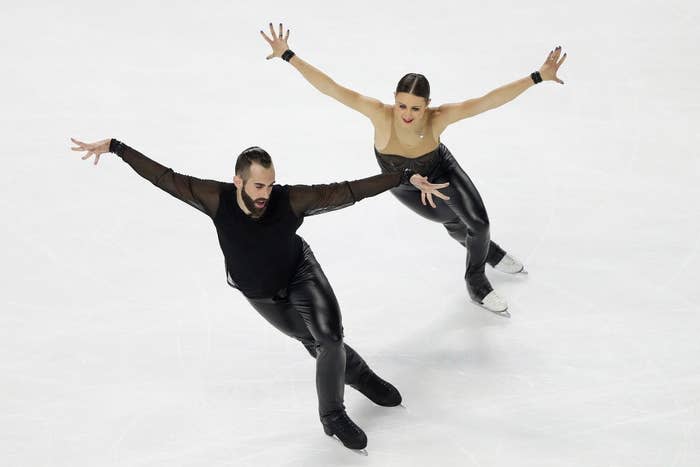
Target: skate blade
{"x":504,"y":314}
{"x":361,"y":452}
{"x":522,"y":272}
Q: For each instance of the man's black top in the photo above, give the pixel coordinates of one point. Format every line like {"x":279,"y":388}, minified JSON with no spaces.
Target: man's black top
{"x":261,"y":254}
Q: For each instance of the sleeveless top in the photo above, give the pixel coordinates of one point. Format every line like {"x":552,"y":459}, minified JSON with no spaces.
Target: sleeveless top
{"x":424,"y":165}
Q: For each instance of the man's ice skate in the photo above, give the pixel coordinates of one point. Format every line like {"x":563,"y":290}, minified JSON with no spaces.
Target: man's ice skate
{"x":377,"y":390}
{"x":510,"y":265}
{"x":339,"y":424}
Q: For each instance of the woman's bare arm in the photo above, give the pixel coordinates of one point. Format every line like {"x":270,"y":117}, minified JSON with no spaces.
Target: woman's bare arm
{"x":367,"y":106}
{"x":447,"y":114}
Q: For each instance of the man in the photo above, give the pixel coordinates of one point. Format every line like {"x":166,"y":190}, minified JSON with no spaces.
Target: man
{"x":275,"y":269}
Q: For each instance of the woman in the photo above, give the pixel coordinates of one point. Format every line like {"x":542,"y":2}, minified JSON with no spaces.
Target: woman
{"x":407,"y":135}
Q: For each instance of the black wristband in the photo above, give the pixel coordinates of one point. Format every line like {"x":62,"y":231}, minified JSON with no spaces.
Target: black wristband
{"x":406,"y":176}
{"x":117,"y":147}
{"x":287,"y":55}
{"x":536,"y":77}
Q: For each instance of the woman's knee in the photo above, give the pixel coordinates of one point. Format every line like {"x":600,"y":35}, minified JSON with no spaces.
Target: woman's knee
{"x":480,"y":225}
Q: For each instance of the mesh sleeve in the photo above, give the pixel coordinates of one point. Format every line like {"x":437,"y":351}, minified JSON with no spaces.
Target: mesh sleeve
{"x":307,"y":200}
{"x":201,"y":194}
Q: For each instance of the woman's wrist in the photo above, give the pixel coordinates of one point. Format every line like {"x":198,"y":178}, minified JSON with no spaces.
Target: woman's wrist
{"x":287,"y":55}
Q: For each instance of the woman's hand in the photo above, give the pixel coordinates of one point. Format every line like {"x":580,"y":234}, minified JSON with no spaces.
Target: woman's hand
{"x":551,"y":65}
{"x":427,"y":189}
{"x":93,"y":149}
{"x":278,"y":42}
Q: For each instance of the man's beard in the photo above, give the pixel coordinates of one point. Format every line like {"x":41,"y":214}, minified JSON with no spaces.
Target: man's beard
{"x":250,"y":204}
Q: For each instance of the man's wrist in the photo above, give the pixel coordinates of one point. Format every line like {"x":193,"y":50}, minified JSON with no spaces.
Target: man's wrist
{"x":406,"y":176}
{"x":116,"y":147}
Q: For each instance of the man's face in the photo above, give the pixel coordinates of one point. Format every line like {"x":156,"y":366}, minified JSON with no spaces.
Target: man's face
{"x":255,"y":189}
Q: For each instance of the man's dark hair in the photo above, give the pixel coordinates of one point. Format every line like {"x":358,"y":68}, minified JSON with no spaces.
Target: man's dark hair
{"x":416,"y":84}
{"x":250,"y":155}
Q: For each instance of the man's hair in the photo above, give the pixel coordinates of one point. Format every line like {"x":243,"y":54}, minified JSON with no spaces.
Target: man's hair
{"x":250,"y":155}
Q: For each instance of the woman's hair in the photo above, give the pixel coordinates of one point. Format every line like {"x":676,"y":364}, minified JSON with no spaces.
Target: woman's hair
{"x":250,"y":155}
{"x":416,"y":84}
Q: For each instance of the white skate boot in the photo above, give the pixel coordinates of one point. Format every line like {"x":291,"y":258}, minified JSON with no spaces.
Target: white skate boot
{"x":510,"y":265}
{"x":495,"y":303}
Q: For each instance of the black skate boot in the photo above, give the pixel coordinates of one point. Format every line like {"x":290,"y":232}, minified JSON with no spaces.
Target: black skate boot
{"x":338,"y":423}
{"x":377,"y":390}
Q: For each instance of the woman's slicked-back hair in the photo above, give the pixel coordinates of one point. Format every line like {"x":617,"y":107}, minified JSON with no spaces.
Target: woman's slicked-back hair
{"x":416,"y":84}
{"x":250,"y":155}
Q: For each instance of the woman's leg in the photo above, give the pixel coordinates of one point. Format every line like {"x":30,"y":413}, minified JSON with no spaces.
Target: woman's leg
{"x":463,"y":216}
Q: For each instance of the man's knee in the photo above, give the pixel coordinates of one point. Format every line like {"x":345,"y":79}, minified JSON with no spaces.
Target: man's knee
{"x":329,"y":339}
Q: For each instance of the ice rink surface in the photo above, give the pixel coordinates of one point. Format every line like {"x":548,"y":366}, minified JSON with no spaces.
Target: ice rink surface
{"x":122,"y":345}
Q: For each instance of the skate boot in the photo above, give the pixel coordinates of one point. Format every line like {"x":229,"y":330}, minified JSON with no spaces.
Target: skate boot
{"x":338,"y":423}
{"x":494,"y":302}
{"x":482,"y":293}
{"x":377,"y":390}
{"x":510,"y":265}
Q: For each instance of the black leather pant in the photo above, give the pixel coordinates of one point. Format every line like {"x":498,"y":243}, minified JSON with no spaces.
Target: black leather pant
{"x":308,"y":311}
{"x":463,"y":215}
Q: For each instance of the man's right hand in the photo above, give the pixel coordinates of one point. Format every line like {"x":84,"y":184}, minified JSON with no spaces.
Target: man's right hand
{"x":93,"y":149}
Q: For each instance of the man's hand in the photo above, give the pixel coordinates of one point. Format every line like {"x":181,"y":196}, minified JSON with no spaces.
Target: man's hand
{"x":427,"y":189}
{"x":93,"y":149}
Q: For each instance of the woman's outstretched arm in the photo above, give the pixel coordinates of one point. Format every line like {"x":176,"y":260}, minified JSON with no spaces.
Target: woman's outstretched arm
{"x":367,"y":106}
{"x":449,"y":113}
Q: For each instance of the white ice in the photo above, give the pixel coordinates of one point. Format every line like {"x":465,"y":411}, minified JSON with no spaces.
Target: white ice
{"x":122,"y":345}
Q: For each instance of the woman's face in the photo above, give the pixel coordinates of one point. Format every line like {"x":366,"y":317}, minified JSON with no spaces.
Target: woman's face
{"x":409,"y":109}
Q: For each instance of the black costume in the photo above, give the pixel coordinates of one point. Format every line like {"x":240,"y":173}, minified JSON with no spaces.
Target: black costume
{"x":463,"y":215}
{"x":276,"y":270}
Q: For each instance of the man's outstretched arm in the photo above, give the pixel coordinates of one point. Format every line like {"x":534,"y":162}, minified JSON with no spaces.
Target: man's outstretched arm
{"x":202,"y":194}
{"x":307,"y":200}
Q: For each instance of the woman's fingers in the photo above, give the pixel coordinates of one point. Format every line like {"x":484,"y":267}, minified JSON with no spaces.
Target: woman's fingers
{"x":430,"y":200}
{"x":563,"y":58}
{"x":272,"y":31}
{"x":286,"y":36}
{"x":269,"y":41}
{"x":87,"y":156}
{"x":557,"y":52}
{"x":97,"y":158}
{"x":281,"y":31}
{"x":422,"y":197}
